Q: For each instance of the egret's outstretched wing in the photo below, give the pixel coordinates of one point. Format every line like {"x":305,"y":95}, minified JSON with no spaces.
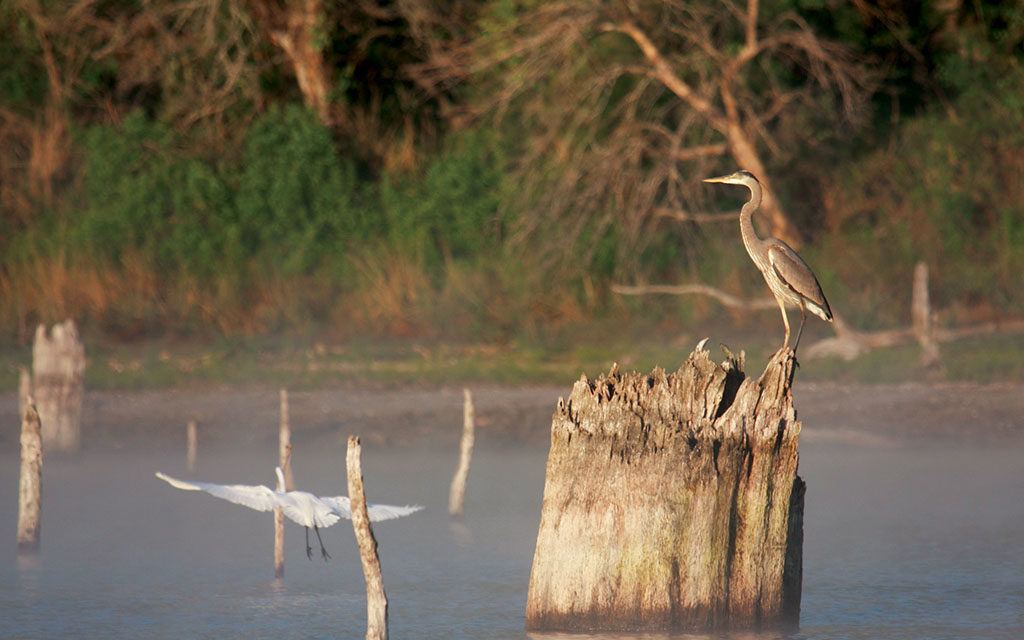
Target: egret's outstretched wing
{"x":341,"y":506}
{"x":259,"y":497}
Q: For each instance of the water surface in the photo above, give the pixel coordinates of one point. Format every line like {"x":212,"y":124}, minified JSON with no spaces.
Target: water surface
{"x":899,"y":543}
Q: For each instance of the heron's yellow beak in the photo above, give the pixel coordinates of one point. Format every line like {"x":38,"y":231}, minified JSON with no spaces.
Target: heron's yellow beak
{"x":718,"y":179}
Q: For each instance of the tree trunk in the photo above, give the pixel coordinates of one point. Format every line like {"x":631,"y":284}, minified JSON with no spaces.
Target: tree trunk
{"x":672,"y":502}
{"x":292,"y":26}
{"x":58,"y":378}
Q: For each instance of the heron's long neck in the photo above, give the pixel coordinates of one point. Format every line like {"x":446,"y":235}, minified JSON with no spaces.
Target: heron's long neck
{"x":750,"y":237}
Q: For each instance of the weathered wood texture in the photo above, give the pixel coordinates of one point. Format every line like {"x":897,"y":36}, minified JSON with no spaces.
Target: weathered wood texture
{"x":376,"y":599}
{"x":191,"y":443}
{"x":457,"y":493}
{"x":922,"y":321}
{"x":30,"y":486}
{"x":284,"y":440}
{"x":24,"y":390}
{"x":58,"y":374}
{"x":672,"y":502}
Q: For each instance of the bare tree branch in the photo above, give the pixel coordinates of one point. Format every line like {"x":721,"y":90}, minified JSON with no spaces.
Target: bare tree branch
{"x":726,"y":299}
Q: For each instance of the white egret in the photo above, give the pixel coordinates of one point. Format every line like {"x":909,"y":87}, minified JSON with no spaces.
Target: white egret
{"x":300,"y":506}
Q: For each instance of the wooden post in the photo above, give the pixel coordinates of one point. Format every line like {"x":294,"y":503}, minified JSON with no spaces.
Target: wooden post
{"x":24,"y":390}
{"x":30,"y":485}
{"x":285,"y":451}
{"x":58,"y":372}
{"x":672,"y":502}
{"x":191,"y":438}
{"x":458,"y":490}
{"x":376,"y":599}
{"x":921,"y":318}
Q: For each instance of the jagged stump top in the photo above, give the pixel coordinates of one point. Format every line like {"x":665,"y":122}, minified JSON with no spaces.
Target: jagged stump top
{"x":702,"y":399}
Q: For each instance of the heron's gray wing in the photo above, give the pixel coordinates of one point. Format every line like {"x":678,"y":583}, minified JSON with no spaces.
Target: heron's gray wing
{"x":259,"y":497}
{"x":792,"y":269}
{"x":341,"y":506}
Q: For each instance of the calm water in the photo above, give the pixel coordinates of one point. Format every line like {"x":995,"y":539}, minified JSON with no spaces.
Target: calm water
{"x":900,"y":543}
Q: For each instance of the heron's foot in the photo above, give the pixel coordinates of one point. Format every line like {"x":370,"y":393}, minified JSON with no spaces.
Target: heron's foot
{"x":323,"y":552}
{"x":309,"y":552}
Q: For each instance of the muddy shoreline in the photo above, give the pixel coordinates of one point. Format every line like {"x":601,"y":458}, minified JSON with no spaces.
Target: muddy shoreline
{"x":882,"y":415}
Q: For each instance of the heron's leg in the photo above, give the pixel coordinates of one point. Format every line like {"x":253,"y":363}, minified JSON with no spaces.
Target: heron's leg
{"x":309,"y":549}
{"x":323,"y":551}
{"x":785,"y":320}
{"x":803,"y":320}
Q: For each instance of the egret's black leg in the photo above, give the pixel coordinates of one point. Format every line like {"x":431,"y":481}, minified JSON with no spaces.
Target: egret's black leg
{"x":323,"y":551}
{"x":309,"y":549}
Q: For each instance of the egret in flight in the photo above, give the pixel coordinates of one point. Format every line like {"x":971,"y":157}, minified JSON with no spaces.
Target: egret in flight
{"x":787,"y":275}
{"x":300,"y":506}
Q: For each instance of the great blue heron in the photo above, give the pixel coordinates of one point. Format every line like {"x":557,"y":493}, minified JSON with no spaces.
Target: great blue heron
{"x":300,"y":506}
{"x":787,"y":275}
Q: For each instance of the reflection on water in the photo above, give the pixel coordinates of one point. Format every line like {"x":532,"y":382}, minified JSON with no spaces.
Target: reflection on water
{"x":900,"y":543}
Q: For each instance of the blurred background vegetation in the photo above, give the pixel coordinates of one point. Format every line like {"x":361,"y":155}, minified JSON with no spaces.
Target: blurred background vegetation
{"x":482,"y":172}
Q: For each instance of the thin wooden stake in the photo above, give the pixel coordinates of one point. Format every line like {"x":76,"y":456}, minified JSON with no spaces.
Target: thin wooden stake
{"x":458,"y":490}
{"x":31,"y":483}
{"x":285,"y":449}
{"x":191,"y":438}
{"x":921,"y":318}
{"x":376,"y":599}
{"x":286,"y":442}
{"x":24,"y":390}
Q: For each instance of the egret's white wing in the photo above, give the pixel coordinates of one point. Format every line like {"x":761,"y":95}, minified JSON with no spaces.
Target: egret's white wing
{"x":341,"y":506}
{"x":259,"y":497}
{"x":307,"y":509}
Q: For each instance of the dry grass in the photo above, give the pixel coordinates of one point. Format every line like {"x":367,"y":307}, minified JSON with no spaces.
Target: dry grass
{"x":390,"y":296}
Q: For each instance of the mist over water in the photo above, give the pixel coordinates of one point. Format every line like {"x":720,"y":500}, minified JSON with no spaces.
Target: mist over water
{"x":899,"y":543}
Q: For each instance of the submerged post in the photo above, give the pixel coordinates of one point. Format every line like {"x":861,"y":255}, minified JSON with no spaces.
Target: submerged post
{"x":191,"y":444}
{"x":284,"y":451}
{"x":672,"y":502}
{"x":30,"y":485}
{"x":921,"y":318}
{"x":58,"y":373}
{"x":457,"y":494}
{"x":376,"y":599}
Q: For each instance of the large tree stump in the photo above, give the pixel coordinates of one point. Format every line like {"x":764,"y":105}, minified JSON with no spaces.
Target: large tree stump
{"x":58,"y":381}
{"x":672,"y":502}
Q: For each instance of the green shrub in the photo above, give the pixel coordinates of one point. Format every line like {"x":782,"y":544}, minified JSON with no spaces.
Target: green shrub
{"x":145,"y":196}
{"x":453,"y":211}
{"x":297,"y":204}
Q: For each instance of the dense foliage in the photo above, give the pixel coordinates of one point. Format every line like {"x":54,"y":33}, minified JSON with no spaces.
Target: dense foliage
{"x":480,"y":169}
